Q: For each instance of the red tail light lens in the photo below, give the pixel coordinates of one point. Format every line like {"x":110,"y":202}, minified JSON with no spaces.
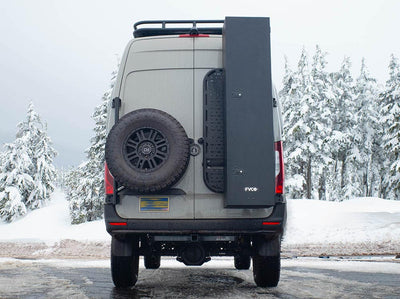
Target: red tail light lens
{"x":108,"y":181}
{"x":271,"y":223}
{"x":279,"y":168}
{"x":194,"y":35}
{"x":118,"y":223}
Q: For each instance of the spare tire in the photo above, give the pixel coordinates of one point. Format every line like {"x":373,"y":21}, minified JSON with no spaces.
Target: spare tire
{"x":147,"y":151}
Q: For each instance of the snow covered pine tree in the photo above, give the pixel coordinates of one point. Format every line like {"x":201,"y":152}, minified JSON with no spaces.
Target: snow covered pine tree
{"x":16,"y":182}
{"x":332,"y":136}
{"x":26,"y":169}
{"x":368,"y":156}
{"x":298,"y":146}
{"x":390,"y":122}
{"x":343,"y":182}
{"x":305,"y":96}
{"x":85,"y":184}
{"x":295,"y":182}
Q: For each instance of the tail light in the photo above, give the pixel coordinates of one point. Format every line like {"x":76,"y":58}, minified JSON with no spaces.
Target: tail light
{"x":118,"y":223}
{"x":108,"y":181}
{"x":279,"y":168}
{"x":194,"y":35}
{"x":270,"y":223}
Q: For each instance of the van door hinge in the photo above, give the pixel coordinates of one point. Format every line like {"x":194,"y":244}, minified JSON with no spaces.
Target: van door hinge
{"x":116,"y":104}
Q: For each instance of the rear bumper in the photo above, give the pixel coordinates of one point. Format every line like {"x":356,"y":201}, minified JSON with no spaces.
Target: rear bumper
{"x":198,"y":226}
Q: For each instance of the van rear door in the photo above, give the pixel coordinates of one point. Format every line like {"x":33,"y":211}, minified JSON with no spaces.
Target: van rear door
{"x":159,"y":74}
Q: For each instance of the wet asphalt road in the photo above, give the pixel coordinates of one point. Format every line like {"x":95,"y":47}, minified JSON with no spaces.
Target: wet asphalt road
{"x":311,"y":278}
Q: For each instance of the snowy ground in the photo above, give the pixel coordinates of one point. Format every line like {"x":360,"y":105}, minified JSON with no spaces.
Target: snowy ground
{"x":355,"y":227}
{"x":300,"y":278}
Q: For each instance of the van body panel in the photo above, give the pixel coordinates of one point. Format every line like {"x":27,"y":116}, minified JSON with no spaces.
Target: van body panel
{"x":175,"y":68}
{"x":171,"y":91}
{"x":159,"y":74}
{"x":180,"y":207}
{"x":160,"y":53}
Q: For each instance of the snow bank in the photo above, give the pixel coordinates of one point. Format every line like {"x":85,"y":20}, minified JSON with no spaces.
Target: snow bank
{"x":357,"y":221}
{"x":51,"y":224}
{"x":361,"y":220}
{"x":366,"y":266}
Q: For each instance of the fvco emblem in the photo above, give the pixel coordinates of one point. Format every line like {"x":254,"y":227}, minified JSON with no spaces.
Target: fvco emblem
{"x":250,"y":189}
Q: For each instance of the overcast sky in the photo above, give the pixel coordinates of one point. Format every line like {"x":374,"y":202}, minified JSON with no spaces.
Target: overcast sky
{"x":59,"y":54}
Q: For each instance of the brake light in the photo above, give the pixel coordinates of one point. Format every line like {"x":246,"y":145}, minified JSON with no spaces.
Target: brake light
{"x":279,"y":168}
{"x":108,"y":181}
{"x":194,"y":35}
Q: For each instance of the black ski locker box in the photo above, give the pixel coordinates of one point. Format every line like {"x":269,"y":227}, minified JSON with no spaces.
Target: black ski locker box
{"x":250,"y":156}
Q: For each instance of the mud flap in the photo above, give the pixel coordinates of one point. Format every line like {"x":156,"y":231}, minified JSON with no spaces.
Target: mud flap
{"x":121,"y":247}
{"x":268,"y":247}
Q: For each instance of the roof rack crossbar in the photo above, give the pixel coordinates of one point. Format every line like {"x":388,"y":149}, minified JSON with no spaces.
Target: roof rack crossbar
{"x":163,"y":29}
{"x":164,"y":22}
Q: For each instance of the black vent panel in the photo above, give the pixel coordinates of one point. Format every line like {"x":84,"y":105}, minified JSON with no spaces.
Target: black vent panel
{"x":213,"y":130}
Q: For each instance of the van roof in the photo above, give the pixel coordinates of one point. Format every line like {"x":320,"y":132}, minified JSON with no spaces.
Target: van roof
{"x":155,"y":28}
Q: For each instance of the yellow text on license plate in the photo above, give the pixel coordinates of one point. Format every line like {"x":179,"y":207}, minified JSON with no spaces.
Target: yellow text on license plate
{"x":154,"y":204}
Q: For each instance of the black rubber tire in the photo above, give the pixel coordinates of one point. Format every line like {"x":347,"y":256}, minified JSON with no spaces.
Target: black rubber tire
{"x":242,"y":262}
{"x":152,"y":261}
{"x":147,"y":180}
{"x":125,"y":269}
{"x":266,"y":270}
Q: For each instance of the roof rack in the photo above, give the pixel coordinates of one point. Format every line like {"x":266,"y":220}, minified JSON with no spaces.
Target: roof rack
{"x":163,"y":30}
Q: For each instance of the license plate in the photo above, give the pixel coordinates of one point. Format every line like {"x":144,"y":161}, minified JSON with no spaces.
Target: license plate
{"x":154,"y":204}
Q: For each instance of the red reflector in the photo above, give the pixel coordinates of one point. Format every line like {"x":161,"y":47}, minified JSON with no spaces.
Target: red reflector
{"x":194,"y":35}
{"x":118,"y":223}
{"x":108,"y":181}
{"x":271,"y":223}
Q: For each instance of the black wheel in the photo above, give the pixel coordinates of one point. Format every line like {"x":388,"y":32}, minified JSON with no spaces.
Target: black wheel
{"x":147,"y":150}
{"x":152,"y":261}
{"x":266,"y":270}
{"x":125,"y":269}
{"x":242,"y":262}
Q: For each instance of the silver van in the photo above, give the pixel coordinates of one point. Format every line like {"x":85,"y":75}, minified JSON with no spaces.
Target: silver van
{"x":194,"y":164}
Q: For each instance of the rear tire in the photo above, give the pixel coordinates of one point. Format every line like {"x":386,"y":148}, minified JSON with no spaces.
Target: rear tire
{"x":125,"y":269}
{"x":266,"y":270}
{"x":242,"y":262}
{"x":152,"y":261}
